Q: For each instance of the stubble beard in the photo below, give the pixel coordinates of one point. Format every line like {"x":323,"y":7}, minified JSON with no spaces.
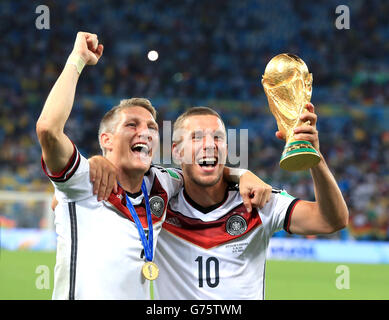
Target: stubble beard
{"x":204,"y":181}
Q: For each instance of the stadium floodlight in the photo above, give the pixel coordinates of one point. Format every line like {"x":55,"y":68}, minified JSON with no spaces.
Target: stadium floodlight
{"x":152,"y":55}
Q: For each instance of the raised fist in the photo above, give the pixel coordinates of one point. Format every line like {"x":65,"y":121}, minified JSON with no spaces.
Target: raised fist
{"x":88,"y":48}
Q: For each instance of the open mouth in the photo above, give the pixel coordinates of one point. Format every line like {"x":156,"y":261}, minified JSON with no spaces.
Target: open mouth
{"x":141,"y":148}
{"x":209,"y":162}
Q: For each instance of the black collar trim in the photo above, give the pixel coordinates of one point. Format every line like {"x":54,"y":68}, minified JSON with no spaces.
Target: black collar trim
{"x":205,"y":209}
{"x":134,"y":195}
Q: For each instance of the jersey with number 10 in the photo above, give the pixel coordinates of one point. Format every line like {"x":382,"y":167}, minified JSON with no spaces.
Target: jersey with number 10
{"x":218,"y":254}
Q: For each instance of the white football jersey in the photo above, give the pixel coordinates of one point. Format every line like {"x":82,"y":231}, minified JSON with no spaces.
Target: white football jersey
{"x":99,"y":251}
{"x":217,"y":252}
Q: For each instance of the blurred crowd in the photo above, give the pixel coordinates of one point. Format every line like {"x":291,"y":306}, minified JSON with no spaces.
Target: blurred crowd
{"x":210,"y":53}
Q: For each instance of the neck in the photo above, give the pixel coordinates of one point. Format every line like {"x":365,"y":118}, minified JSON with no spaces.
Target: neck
{"x":131,"y":182}
{"x":206,"y":196}
{"x":130,"y":179}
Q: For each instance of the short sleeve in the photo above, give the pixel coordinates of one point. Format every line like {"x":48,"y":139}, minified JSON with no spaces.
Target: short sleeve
{"x":279,"y":210}
{"x":73,"y":182}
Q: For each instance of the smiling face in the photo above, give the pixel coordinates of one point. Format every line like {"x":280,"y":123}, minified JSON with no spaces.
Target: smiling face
{"x":201,"y":149}
{"x":133,"y":139}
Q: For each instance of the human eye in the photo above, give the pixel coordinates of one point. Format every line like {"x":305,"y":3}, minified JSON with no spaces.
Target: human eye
{"x":153,"y":128}
{"x":219,"y":136}
{"x":130,"y":124}
{"x":153,"y":131}
{"x":197,"y":135}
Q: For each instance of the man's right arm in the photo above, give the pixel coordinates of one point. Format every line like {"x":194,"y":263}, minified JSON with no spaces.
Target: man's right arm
{"x":57,"y":149}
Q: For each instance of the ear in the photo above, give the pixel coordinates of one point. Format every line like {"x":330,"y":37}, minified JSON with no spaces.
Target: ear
{"x":176,"y":153}
{"x":106,"y":140}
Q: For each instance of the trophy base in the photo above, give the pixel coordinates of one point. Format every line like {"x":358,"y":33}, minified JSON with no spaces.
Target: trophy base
{"x":298,"y":156}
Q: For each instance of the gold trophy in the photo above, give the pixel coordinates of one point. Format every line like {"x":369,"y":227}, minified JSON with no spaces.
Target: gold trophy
{"x":288,"y":87}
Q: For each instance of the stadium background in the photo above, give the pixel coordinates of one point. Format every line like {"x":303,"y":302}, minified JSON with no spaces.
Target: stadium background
{"x":210,"y":53}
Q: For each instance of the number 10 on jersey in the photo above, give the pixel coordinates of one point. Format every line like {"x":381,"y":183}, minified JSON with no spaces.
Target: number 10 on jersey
{"x":211,"y":263}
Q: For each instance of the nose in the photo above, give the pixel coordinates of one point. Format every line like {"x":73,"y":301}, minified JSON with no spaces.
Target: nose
{"x":144,"y":132}
{"x":209,"y":144}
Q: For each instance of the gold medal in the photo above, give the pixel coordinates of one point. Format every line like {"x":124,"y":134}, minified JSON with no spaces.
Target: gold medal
{"x":150,"y":270}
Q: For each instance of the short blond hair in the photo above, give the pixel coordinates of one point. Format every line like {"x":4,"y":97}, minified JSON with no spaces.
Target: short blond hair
{"x":193,"y":111}
{"x":110,"y":119}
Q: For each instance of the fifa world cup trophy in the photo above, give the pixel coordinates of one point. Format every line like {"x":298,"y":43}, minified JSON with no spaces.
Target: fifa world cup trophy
{"x":288,"y":87}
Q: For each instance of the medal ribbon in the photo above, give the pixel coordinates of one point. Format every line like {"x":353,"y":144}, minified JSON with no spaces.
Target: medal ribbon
{"x":147,"y":244}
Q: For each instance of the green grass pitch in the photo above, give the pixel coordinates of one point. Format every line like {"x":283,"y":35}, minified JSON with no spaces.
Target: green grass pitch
{"x":23,"y":277}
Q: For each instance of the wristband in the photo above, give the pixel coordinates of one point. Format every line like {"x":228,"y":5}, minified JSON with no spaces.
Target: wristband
{"x":236,"y":173}
{"x":77,"y":61}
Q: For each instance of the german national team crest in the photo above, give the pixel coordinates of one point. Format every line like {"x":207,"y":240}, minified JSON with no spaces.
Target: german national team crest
{"x":157,"y":205}
{"x":236,"y":225}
